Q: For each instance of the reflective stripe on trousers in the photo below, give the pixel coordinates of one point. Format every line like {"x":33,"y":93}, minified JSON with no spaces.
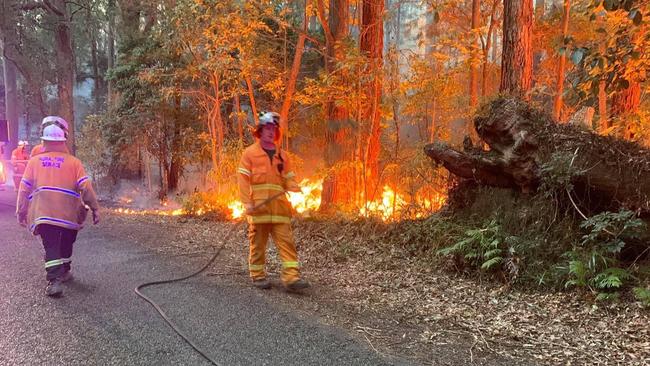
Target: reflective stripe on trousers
{"x":282,"y":234}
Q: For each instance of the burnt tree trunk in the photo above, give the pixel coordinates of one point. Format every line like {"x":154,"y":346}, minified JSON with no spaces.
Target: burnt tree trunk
{"x":528,"y":148}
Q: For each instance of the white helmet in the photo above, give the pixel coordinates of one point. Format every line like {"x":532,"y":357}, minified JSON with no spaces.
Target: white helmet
{"x":22,"y":143}
{"x":53,"y":133}
{"x":55,"y":120}
{"x":269,"y":117}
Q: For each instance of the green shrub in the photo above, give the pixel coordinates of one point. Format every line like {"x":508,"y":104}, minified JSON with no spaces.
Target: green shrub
{"x":643,"y":295}
{"x":594,"y":263}
{"x":484,"y":248}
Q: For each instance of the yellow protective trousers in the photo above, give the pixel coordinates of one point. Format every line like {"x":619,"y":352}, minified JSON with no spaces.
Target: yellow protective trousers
{"x":282,"y":235}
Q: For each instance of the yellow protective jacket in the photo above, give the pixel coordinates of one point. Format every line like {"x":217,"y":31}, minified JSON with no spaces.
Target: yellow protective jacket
{"x":39,"y":149}
{"x":260,"y":178}
{"x":54,"y":190}
{"x":19,"y":159}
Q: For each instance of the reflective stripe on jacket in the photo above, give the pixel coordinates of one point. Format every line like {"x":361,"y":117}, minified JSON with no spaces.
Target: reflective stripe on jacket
{"x":54,"y":190}
{"x":260,"y":178}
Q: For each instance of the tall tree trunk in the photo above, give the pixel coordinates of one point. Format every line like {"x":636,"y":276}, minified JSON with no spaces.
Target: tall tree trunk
{"x":626,"y":101}
{"x":488,"y":45}
{"x":130,"y":13}
{"x":540,"y":11}
{"x":238,"y":119}
{"x":110,"y":47}
{"x":336,"y":186}
{"x":602,"y":105}
{"x":559,"y":81}
{"x":94,"y":63}
{"x":65,"y":66}
{"x":11,"y":104}
{"x":372,"y":46}
{"x":517,"y":59}
{"x":291,"y":82}
{"x":434,"y":112}
{"x":603,"y":118}
{"x":495,"y":57}
{"x":473,"y":62}
{"x":175,"y":167}
{"x":251,"y":98}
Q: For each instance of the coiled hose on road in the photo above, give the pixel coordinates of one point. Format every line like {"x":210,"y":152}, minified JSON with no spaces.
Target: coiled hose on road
{"x":206,"y":266}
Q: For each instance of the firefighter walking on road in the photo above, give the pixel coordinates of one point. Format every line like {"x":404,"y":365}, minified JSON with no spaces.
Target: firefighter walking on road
{"x":19,"y":158}
{"x":264,"y":176}
{"x":52,"y":202}
{"x":48,"y":121}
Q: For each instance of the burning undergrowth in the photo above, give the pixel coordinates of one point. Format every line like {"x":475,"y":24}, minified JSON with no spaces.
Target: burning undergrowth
{"x":392,"y":206}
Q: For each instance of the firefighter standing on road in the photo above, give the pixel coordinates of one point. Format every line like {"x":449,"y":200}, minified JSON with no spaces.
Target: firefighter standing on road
{"x":265,"y":172}
{"x":19,"y":158}
{"x":52,"y":200}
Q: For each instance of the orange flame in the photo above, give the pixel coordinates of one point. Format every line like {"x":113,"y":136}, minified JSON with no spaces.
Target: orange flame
{"x":309,"y":198}
{"x":390,"y":206}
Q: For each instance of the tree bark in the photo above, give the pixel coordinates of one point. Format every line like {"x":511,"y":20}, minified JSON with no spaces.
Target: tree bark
{"x":176,"y":166}
{"x":238,"y":119}
{"x":473,"y":63}
{"x":110,"y":47}
{"x":372,"y":46}
{"x":488,"y":45}
{"x":11,"y":105}
{"x":94,"y":63}
{"x":540,"y":9}
{"x":627,"y":100}
{"x":251,"y":98}
{"x":336,"y":185}
{"x":517,"y":58}
{"x":65,"y":67}
{"x":559,"y":84}
{"x":602,"y":105}
{"x":293,"y":77}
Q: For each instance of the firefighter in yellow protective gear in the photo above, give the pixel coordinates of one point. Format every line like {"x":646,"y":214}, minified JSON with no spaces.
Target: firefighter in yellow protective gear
{"x":264,"y":173}
{"x":48,"y":121}
{"x":19,"y":158}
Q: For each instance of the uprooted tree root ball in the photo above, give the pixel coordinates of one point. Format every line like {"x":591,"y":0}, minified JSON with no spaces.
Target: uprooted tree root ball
{"x":556,"y":205}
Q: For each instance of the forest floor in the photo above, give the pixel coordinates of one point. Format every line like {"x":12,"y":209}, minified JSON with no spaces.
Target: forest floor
{"x":404,"y":306}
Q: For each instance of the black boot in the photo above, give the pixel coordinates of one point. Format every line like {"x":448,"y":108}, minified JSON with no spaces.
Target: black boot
{"x":54,"y":288}
{"x":297,"y":286}
{"x":262,"y":283}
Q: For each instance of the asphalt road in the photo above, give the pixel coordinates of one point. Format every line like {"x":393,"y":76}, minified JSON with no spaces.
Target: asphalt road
{"x":100,"y":320}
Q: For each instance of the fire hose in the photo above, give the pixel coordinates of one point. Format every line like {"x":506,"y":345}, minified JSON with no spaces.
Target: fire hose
{"x":166,"y":318}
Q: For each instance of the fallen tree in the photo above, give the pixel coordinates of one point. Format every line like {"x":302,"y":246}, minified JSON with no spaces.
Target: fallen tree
{"x":528,"y":150}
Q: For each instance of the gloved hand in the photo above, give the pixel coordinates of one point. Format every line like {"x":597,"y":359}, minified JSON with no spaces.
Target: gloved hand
{"x":250,"y":207}
{"x":95,"y":217}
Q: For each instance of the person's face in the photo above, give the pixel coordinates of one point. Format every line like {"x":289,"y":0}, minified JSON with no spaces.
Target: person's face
{"x":268,"y":132}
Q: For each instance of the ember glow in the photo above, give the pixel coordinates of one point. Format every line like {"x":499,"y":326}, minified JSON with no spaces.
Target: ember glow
{"x":129,"y":211}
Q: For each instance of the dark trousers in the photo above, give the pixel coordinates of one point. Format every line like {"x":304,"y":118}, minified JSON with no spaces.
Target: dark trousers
{"x":57,"y":242}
